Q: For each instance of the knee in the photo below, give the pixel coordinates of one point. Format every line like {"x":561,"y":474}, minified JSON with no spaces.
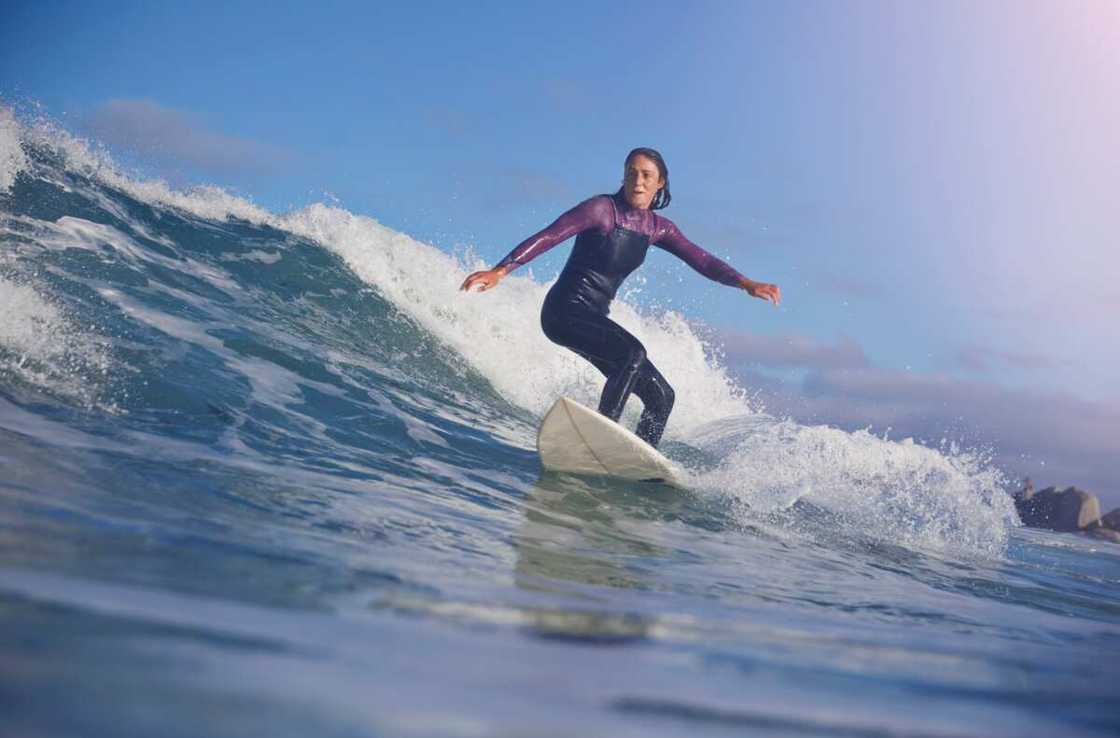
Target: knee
{"x":636,"y":355}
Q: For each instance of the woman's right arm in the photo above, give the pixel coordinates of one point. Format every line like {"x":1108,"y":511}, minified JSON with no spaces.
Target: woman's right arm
{"x":593,"y":213}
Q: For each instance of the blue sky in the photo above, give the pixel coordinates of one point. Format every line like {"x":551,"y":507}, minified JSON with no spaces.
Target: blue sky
{"x":933,"y":185}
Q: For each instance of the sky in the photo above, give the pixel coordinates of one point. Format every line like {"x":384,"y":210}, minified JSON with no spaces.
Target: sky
{"x":934,"y":185}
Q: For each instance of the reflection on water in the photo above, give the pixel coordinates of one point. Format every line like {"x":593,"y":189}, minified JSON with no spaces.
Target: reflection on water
{"x":589,"y":532}
{"x":596,"y":532}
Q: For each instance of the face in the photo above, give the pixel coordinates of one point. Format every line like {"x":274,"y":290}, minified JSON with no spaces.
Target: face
{"x":640,"y":181}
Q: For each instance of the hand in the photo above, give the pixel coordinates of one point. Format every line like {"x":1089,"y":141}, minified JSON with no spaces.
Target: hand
{"x":762,"y":291}
{"x":484,"y":280}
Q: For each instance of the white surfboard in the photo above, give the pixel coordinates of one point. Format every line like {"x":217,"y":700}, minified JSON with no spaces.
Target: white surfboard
{"x":577,"y":440}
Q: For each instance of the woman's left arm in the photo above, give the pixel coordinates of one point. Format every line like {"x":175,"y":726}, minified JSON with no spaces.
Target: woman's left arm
{"x":672,"y":240}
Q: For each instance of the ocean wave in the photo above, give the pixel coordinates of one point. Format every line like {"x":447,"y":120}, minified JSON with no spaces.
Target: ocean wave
{"x":262,"y":309}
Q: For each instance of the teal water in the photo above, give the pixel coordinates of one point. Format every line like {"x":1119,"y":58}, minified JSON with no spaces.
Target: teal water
{"x":272,"y":473}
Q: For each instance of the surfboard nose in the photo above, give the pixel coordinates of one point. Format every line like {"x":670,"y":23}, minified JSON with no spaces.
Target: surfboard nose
{"x":575,"y":439}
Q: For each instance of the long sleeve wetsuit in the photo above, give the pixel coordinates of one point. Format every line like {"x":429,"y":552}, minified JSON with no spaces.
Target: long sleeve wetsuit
{"x":600,"y":215}
{"x":612,"y":239}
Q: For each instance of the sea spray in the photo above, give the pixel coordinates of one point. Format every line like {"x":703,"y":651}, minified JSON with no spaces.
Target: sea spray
{"x":42,"y":346}
{"x":894,"y":491}
{"x":12,"y":159}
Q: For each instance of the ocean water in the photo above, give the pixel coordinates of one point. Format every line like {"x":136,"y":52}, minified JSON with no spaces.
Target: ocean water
{"x":272,"y":474}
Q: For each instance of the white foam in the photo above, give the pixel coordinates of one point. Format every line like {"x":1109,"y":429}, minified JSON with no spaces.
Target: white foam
{"x":185,"y":330}
{"x":415,"y":429}
{"x":12,"y":159}
{"x":43,"y":346}
{"x":261,"y":257}
{"x":899,"y":492}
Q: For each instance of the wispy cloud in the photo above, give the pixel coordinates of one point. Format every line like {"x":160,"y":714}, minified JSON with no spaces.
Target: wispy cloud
{"x":984,"y":359}
{"x":792,"y":351}
{"x":169,"y":137}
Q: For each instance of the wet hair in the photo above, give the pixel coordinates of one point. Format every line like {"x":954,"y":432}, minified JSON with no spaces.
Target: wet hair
{"x":662,"y":198}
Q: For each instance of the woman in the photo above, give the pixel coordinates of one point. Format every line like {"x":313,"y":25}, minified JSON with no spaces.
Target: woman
{"x":614,"y":233}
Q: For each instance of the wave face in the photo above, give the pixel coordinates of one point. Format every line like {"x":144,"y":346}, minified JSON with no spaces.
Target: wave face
{"x":280,"y":440}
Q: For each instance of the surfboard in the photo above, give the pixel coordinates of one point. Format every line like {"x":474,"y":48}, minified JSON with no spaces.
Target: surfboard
{"x":577,"y":440}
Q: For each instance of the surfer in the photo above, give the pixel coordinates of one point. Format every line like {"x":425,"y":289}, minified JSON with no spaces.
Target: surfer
{"x":613,"y":233}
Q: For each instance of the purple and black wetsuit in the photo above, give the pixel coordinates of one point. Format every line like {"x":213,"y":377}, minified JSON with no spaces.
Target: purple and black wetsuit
{"x":612,"y":242}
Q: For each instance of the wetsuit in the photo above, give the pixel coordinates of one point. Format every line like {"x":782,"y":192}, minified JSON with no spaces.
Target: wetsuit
{"x":611,"y":242}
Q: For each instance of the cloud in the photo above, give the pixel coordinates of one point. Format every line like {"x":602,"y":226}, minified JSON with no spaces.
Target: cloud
{"x":169,"y":137}
{"x":983,"y":359}
{"x":1055,"y":437}
{"x":791,"y":351}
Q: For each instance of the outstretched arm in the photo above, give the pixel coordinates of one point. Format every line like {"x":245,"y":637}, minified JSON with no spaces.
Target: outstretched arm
{"x":593,"y":213}
{"x":672,"y":240}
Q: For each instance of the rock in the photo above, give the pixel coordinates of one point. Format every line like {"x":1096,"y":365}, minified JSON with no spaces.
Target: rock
{"x":1105,"y":533}
{"x":1112,"y":520}
{"x":1067,"y":510}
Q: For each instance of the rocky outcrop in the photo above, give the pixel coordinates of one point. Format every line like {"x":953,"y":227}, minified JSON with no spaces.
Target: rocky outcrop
{"x":1107,"y":534}
{"x":1068,"y":510}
